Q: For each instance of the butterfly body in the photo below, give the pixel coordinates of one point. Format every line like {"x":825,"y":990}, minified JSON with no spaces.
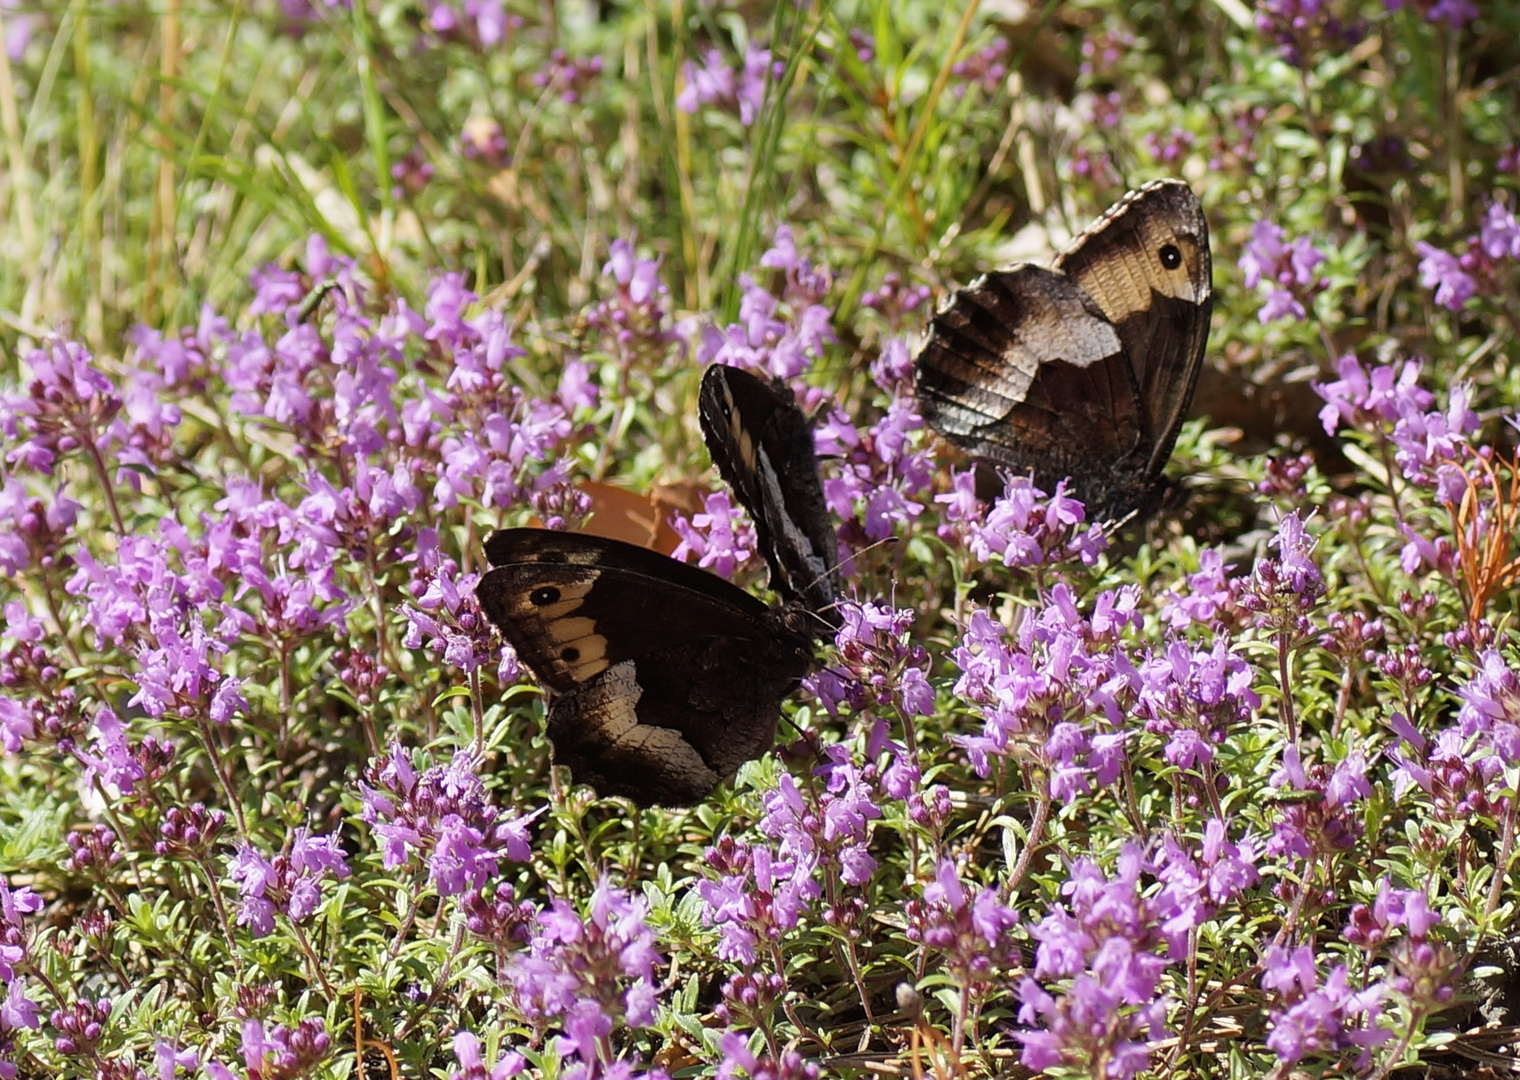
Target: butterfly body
{"x":1085,"y":370}
{"x":665,"y":678}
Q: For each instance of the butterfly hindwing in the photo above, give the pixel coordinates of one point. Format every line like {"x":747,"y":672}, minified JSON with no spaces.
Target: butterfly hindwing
{"x":984,"y":380}
{"x":665,"y":678}
{"x":763,"y":448}
{"x":1085,"y":370}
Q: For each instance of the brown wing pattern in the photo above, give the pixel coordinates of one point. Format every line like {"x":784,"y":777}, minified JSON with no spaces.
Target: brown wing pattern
{"x":1148,"y":266}
{"x":1023,"y":370}
{"x":670,"y":726}
{"x":665,"y":678}
{"x":1085,"y":370}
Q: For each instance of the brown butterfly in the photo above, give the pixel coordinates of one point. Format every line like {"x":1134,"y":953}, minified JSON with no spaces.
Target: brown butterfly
{"x":1085,"y":370}
{"x":665,"y":678}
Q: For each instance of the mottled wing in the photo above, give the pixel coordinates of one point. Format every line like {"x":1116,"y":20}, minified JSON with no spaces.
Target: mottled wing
{"x":667,"y":728}
{"x":763,"y":448}
{"x":666,"y":678}
{"x":1147,"y":265}
{"x":1023,"y":369}
{"x":573,"y":605}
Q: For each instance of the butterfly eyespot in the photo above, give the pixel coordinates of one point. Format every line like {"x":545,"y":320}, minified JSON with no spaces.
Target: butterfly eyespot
{"x":570,"y":655}
{"x":1171,"y":258}
{"x":543,"y":596}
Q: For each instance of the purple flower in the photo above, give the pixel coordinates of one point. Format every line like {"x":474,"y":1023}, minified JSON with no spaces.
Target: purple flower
{"x":880,"y":674}
{"x":778,"y":334}
{"x":80,"y":1026}
{"x":110,"y":757}
{"x":1283,"y":590}
{"x":1432,"y":447}
{"x":69,"y":404}
{"x":1370,"y":927}
{"x":1057,"y":695}
{"x":1281,"y":304}
{"x":1170,"y":148}
{"x":1110,"y":944}
{"x":1455,"y":13}
{"x":1195,"y":698}
{"x":16,"y":1010}
{"x":986,"y":68}
{"x":444,"y":816}
{"x":739,"y":1059}
{"x":1491,"y":706}
{"x":289,"y":883}
{"x":970,"y":931}
{"x":1197,"y":886}
{"x":1209,"y":596}
{"x":472,"y":1066}
{"x":1460,"y":777}
{"x":1303,"y":29}
{"x":1499,"y":235}
{"x":168,"y":1059}
{"x":93,"y":850}
{"x":714,"y":83}
{"x":189,"y":832}
{"x":1443,"y":272}
{"x":879,"y":476}
{"x":499,"y":918}
{"x":1370,"y":400}
{"x":709,"y":84}
{"x":568,"y":76}
{"x":1313,"y":1020}
{"x":1425,"y":441}
{"x":1420,"y":968}
{"x":754,"y":899}
{"x":1324,"y":820}
{"x":1287,"y":268}
{"x":281,"y":1051}
{"x":448,"y":622}
{"x":1021,"y":527}
{"x":721,"y":537}
{"x":894,"y":301}
{"x":588,"y":974}
{"x":19,"y":25}
{"x":825,"y":833}
{"x":410,"y":174}
{"x":32,"y":530}
{"x":482,"y":139}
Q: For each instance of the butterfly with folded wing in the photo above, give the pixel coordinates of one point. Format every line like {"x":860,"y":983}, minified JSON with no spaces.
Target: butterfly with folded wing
{"x":664,"y":678}
{"x":1084,"y":371}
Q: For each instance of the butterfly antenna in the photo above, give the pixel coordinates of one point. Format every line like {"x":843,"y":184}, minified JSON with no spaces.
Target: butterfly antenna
{"x":833,"y":606}
{"x":834,"y":625}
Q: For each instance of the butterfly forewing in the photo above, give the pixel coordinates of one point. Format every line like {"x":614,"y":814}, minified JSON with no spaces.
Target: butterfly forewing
{"x":1148,"y":266}
{"x":666,"y":678}
{"x":763,"y":448}
{"x":1086,"y":370}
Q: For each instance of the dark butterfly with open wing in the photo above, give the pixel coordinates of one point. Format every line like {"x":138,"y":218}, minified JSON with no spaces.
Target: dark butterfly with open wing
{"x":763,"y":448}
{"x":665,"y":678}
{"x":1086,"y":370}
